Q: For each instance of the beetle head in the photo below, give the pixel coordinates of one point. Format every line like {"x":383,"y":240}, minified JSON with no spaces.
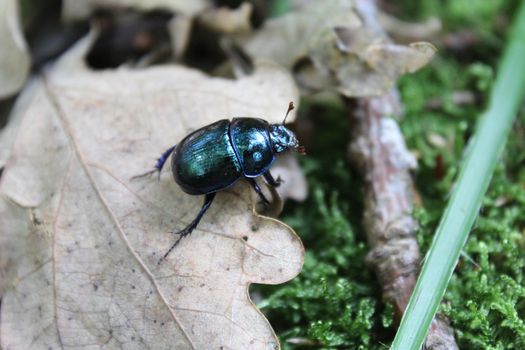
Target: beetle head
{"x":283,"y":139}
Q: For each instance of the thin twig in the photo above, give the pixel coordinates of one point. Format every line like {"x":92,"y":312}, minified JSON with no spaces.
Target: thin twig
{"x":379,"y":152}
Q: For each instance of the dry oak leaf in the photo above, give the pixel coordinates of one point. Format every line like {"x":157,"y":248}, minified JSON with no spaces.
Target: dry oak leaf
{"x":80,"y":242}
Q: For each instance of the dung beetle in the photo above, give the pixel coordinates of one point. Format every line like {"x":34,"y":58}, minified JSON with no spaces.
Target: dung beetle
{"x":216,"y":156}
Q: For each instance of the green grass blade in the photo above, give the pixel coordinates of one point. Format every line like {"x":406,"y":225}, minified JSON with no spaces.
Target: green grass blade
{"x":462,"y":209}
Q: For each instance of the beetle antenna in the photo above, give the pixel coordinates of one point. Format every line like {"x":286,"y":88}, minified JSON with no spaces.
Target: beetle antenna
{"x":290,"y":108}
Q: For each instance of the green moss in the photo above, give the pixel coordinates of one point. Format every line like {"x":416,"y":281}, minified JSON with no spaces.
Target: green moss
{"x":336,"y":302}
{"x":486,"y":296}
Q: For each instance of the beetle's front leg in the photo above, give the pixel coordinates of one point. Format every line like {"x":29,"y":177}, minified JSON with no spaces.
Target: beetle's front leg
{"x":271,"y":180}
{"x":257,"y":189}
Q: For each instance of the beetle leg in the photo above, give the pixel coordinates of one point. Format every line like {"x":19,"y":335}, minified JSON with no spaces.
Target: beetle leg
{"x":188,"y":229}
{"x":158,"y":165}
{"x":271,"y":180}
{"x":258,"y":190}
{"x":163,"y":158}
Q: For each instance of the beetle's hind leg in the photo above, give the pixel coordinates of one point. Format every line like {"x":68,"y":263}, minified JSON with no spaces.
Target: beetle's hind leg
{"x":158,"y":165}
{"x":257,"y":189}
{"x":271,"y":180}
{"x":188,"y":229}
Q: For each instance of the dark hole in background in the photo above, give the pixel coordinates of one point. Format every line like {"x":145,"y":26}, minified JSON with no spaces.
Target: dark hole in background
{"x":127,"y":37}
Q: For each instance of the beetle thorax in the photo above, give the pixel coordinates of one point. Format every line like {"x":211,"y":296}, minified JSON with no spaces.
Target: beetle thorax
{"x":282,"y":138}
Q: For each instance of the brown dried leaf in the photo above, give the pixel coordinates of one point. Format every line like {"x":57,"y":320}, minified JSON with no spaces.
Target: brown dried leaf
{"x":330,"y":48}
{"x":81,"y":242}
{"x":393,"y":60}
{"x":291,"y":37}
{"x":226,"y":20}
{"x":410,"y":31}
{"x":14,"y":57}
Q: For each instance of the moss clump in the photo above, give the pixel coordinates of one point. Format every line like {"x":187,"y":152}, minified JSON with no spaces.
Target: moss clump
{"x":336,"y":301}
